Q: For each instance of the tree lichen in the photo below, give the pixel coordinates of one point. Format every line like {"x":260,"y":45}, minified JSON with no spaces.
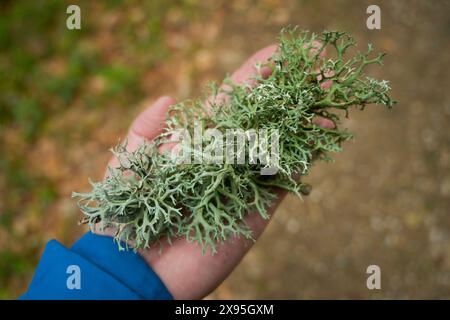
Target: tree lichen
{"x":148,"y":197}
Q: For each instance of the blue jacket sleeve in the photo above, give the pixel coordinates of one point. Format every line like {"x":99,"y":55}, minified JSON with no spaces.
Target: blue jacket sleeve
{"x":93,"y":268}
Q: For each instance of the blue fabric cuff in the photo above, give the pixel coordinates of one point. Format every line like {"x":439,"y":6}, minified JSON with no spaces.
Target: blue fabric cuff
{"x":103,"y":272}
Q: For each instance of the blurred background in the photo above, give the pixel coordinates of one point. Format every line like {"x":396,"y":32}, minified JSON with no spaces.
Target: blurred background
{"x":67,"y":96}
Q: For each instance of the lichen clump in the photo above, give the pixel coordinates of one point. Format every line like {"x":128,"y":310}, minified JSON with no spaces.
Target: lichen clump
{"x":150,"y":198}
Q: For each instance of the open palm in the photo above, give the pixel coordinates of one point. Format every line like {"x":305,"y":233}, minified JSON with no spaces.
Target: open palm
{"x":186,"y":272}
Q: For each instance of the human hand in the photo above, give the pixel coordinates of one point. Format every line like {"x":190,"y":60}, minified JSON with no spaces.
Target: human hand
{"x":186,"y":272}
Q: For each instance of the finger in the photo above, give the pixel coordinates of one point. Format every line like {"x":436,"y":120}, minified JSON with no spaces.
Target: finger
{"x":316,"y":46}
{"x":149,"y":123}
{"x":326,"y":83}
{"x":324,"y":123}
{"x":146,"y":126}
{"x":248,"y":70}
{"x":246,"y":73}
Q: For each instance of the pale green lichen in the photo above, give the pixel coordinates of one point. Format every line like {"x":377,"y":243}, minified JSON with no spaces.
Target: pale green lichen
{"x":148,"y":198}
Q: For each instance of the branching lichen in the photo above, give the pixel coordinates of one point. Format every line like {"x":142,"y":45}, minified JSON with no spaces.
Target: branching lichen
{"x":149,"y":198}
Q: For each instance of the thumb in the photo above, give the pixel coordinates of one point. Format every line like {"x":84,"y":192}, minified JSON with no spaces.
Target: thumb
{"x":150,"y":123}
{"x":147,"y":125}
